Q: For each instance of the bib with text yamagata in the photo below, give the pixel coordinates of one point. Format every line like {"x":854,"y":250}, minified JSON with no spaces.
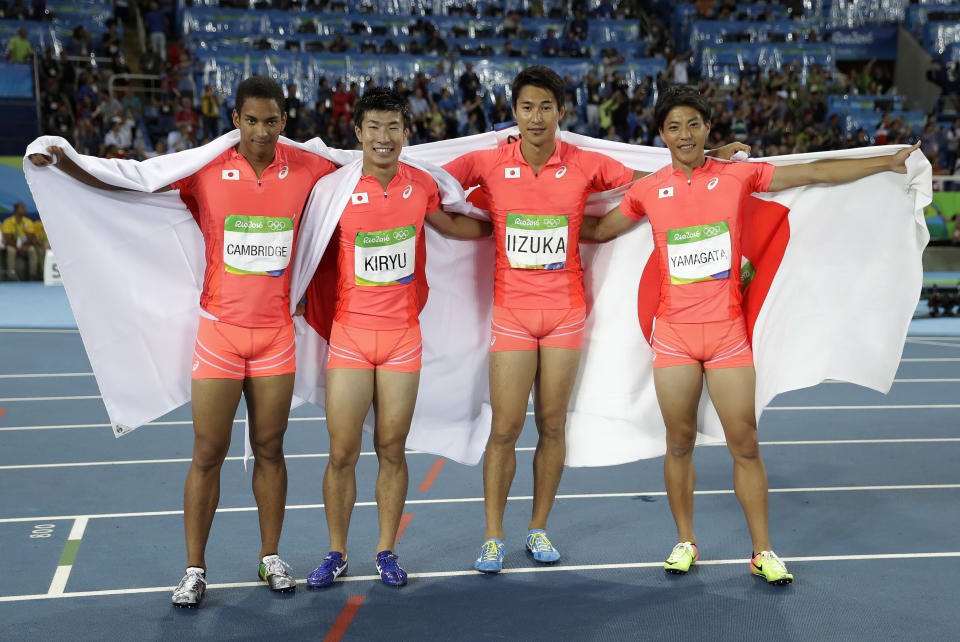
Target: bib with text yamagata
{"x":536,"y":242}
{"x":699,"y":253}
{"x":385,"y":257}
{"x":257,"y":244}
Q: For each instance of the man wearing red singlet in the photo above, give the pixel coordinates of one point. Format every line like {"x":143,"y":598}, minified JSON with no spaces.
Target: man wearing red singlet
{"x":536,"y":189}
{"x":248,"y":203}
{"x":694,"y":208}
{"x":375,"y":346}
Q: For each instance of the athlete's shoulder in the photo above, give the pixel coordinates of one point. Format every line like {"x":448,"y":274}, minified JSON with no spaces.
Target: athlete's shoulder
{"x":419,"y":176}
{"x":314,"y":162}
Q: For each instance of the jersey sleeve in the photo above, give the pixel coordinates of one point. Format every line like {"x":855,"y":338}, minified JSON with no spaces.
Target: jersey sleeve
{"x":320,"y":166}
{"x":8,"y":226}
{"x":762,"y":177}
{"x":433,"y":200}
{"x":607,"y":172}
{"x":465,"y":169}
{"x":632,"y":204}
{"x":185,"y":185}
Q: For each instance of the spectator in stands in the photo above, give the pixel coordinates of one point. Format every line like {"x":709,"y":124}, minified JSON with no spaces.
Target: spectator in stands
{"x":52,"y":97}
{"x":435,"y":45}
{"x":292,"y":108}
{"x":510,"y":52}
{"x":389,"y":47}
{"x":80,"y":42}
{"x":439,"y":81}
{"x":210,"y":111}
{"x":151,"y":63}
{"x":447,"y":107}
{"x":118,"y":135}
{"x":187,"y":114}
{"x":338,"y":45}
{"x":511,"y":27}
{"x":48,"y":66}
{"x":579,"y":26}
{"x":111,"y":44}
{"x":19,"y":48}
{"x":155,"y":21}
{"x":400,"y":86}
{"x":61,"y":122}
{"x":501,"y":112}
{"x":131,"y":101}
{"x":21,"y":244}
{"x":550,"y":45}
{"x":174,"y":50}
{"x":324,"y":93}
{"x":419,"y":107}
{"x":469,"y":82}
{"x":342,"y":102}
{"x":181,"y":138}
{"x":108,"y":107}
{"x":571,"y":116}
{"x":571,"y":47}
{"x":89,"y":141}
{"x":605,"y":10}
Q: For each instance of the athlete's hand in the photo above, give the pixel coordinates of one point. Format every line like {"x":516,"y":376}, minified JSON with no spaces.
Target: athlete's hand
{"x":898,"y":161}
{"x":42,"y":160}
{"x":301,"y":309}
{"x":727,"y":151}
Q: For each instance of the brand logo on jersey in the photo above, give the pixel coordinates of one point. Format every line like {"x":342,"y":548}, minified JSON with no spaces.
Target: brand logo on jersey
{"x":283,"y":172}
{"x":511,"y":172}
{"x":665,"y":192}
{"x":359,"y":198}
{"x":407,"y":192}
{"x":230,"y":175}
{"x":196,"y":364}
{"x":561,"y":172}
{"x":713,"y":182}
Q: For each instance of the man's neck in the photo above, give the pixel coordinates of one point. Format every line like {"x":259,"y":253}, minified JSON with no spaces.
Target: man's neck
{"x":537,"y":155}
{"x":383,"y":174}
{"x":257,"y":163}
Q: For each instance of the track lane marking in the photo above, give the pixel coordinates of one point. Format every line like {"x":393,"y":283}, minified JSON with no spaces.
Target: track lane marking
{"x":68,"y":557}
{"x":401,"y":528}
{"x":345,"y":618}
{"x":507,"y":571}
{"x":45,"y":375}
{"x":431,"y":475}
{"x":471,"y":500}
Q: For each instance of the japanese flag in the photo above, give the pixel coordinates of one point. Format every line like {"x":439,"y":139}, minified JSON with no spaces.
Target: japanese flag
{"x":230,"y":175}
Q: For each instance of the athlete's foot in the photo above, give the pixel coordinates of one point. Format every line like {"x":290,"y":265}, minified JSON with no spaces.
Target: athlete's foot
{"x":769,"y":566}
{"x":389,"y":569}
{"x":189,"y":591}
{"x":682,"y":557}
{"x":540,"y":547}
{"x":273,"y":571}
{"x":333,"y":566}
{"x":490,"y":559}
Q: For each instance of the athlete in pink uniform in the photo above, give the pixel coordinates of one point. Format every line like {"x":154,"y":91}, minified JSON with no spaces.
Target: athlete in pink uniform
{"x":694,"y":208}
{"x":375,"y":347}
{"x":536,"y":189}
{"x":248,"y":203}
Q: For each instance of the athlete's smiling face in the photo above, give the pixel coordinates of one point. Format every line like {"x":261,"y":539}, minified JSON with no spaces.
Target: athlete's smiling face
{"x":260,"y":121}
{"x":382,"y":135}
{"x":685,"y":133}
{"x":537,"y":114}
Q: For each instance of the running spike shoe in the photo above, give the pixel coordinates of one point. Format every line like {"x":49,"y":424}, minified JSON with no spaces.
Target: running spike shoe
{"x":333,"y":566}
{"x":682,"y":557}
{"x":390,"y":572}
{"x":490,"y":559}
{"x":540,"y":547}
{"x":189,"y":591}
{"x":273,"y":571}
{"x":769,"y":566}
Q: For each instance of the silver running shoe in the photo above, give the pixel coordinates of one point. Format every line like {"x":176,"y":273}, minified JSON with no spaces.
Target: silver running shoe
{"x":189,"y":591}
{"x":273,"y":571}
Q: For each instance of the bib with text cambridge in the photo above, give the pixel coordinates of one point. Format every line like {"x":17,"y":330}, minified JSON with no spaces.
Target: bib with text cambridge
{"x":257,"y":244}
{"x":536,"y":242}
{"x":699,"y":253}
{"x":385,"y":257}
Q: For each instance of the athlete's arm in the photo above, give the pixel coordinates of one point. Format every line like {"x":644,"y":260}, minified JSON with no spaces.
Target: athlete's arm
{"x":603,"y":228}
{"x":723,"y":153}
{"x":839,"y":171}
{"x":76,"y":172}
{"x":458,"y":225}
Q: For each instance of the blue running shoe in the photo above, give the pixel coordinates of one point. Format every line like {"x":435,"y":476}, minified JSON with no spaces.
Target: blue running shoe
{"x":540,"y":547}
{"x":332,"y":567}
{"x":491,"y":556}
{"x":390,"y":572}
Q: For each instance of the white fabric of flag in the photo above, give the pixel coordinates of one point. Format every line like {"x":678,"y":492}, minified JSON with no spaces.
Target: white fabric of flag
{"x":839,"y":307}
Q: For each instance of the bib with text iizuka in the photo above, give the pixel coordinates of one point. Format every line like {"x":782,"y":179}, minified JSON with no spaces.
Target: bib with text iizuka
{"x":257,"y":244}
{"x":699,"y":253}
{"x":385,"y":257}
{"x":536,"y":242}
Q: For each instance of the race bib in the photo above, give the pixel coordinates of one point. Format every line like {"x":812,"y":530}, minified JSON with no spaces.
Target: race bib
{"x":385,"y":257}
{"x":536,"y":242}
{"x":257,"y":244}
{"x":699,"y":253}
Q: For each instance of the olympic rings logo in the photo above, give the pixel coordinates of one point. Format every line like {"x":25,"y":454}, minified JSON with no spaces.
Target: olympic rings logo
{"x":552,"y":221}
{"x":400,"y":235}
{"x":712,"y":230}
{"x":276,"y":226}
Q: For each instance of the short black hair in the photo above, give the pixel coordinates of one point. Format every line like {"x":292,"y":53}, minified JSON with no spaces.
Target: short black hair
{"x":679,"y":96}
{"x":382,"y":99}
{"x":258,"y":87}
{"x":538,"y":76}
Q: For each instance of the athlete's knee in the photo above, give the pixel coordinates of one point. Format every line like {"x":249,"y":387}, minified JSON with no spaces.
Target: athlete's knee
{"x":390,"y":450}
{"x":504,"y":433}
{"x":745,"y":445}
{"x":680,"y":442}
{"x":267,"y":450}
{"x":208,"y":455}
{"x":343,"y":457}
{"x":551,"y":425}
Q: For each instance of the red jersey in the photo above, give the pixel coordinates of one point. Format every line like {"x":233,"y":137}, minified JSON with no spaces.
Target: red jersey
{"x":536,"y":219}
{"x":378,"y":231}
{"x":249,"y":226}
{"x":696,"y":231}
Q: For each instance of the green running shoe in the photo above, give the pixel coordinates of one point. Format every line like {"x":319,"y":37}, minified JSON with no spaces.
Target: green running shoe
{"x":767,"y":565}
{"x":273,"y":571}
{"x":682,"y":557}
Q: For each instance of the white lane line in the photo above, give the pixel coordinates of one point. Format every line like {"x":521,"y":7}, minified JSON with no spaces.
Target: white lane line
{"x":507,"y":571}
{"x":901,"y":381}
{"x":519,"y":449}
{"x":69,"y":556}
{"x":928,"y":359}
{"x":152,"y":423}
{"x":67,"y":398}
{"x":939,"y":406}
{"x":39,"y":331}
{"x":471,"y":500}
{"x":935,"y":343}
{"x":46,"y":375}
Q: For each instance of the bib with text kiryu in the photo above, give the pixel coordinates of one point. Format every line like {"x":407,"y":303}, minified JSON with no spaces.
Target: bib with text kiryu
{"x":536,"y":242}
{"x":385,"y":257}
{"x":699,"y":253}
{"x":257,"y":244}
